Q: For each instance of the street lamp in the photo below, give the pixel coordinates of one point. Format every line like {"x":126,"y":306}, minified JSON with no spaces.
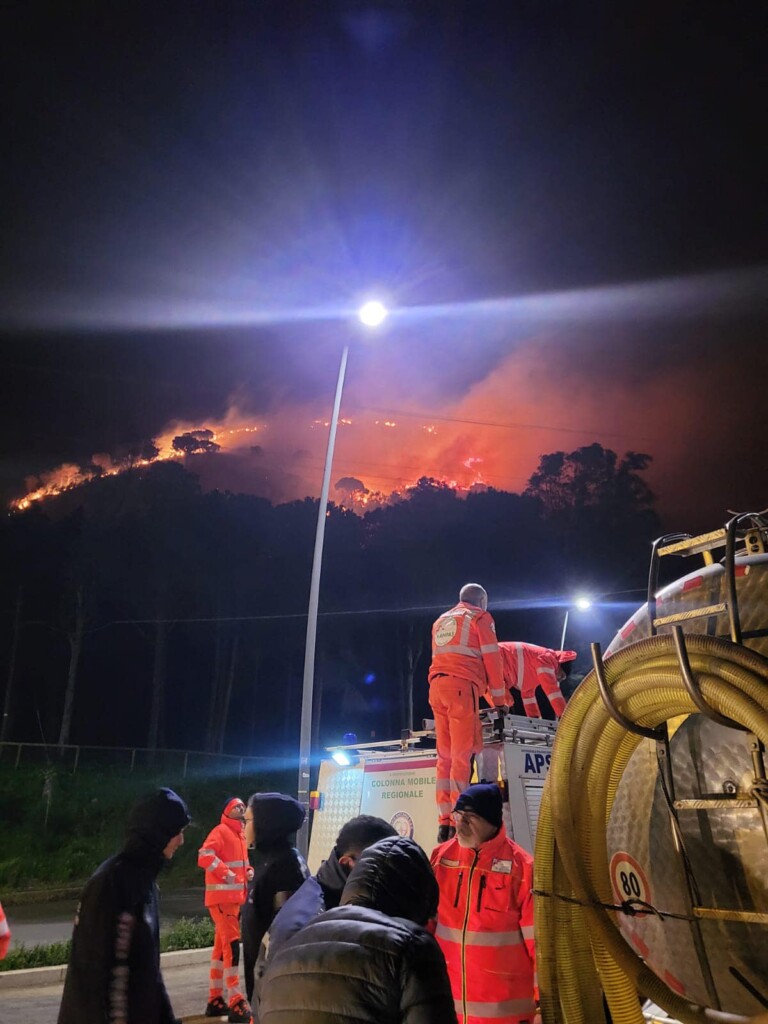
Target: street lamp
{"x":371,"y":314}
{"x":582,"y":603}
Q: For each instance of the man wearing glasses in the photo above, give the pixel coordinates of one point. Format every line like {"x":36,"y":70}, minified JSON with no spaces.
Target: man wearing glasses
{"x":224,"y":857}
{"x":485,"y":914}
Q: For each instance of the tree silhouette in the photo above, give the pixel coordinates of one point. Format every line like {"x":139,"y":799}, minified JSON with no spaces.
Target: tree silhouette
{"x":591,"y":477}
{"x":195,"y":441}
{"x":599,"y":511}
{"x":176,"y":600}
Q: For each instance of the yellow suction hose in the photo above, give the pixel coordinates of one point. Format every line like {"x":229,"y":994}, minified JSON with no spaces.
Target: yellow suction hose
{"x":580,"y":950}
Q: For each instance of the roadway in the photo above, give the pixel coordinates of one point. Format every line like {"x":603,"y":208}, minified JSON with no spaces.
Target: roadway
{"x":187,"y":986}
{"x":39,"y":996}
{"x":38,"y":923}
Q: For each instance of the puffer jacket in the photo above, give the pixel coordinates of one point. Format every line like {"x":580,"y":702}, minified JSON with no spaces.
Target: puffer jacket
{"x":370,"y":960}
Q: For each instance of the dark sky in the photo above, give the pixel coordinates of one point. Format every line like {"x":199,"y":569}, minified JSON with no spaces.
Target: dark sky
{"x":565,"y":202}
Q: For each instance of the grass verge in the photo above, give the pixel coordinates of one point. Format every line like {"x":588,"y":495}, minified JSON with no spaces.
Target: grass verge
{"x":186,"y":933}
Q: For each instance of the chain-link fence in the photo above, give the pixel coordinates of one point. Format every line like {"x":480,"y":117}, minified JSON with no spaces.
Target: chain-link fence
{"x":176,"y":762}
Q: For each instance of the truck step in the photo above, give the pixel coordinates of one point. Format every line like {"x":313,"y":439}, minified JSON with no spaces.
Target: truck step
{"x":692,"y":613}
{"x":695,"y":545}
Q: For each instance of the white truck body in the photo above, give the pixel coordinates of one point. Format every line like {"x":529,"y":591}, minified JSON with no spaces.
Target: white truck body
{"x":396,"y":781}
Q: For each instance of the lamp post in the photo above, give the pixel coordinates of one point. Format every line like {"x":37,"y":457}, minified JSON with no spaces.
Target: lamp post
{"x":582,"y":603}
{"x":372,"y":314}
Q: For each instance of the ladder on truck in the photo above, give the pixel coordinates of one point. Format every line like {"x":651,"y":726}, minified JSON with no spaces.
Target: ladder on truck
{"x":745,"y":534}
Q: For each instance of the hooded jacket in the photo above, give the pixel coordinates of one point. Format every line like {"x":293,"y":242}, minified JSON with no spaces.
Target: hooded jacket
{"x":113,"y":975}
{"x":224,"y":856}
{"x":371,"y":959}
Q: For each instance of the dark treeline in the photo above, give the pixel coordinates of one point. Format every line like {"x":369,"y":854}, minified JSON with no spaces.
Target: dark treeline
{"x":140,"y":611}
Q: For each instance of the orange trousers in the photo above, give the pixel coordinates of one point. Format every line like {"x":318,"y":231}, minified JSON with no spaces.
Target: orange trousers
{"x":225,"y":958}
{"x":459,"y":736}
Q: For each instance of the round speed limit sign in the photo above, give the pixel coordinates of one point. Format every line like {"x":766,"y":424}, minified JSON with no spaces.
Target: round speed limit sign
{"x":628,"y":879}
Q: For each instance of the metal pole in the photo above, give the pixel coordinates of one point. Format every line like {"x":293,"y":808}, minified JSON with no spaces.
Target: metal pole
{"x":305,"y":736}
{"x":565,"y":626}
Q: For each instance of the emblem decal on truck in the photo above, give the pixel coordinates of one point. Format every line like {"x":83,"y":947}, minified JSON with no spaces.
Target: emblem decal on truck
{"x":402,"y":823}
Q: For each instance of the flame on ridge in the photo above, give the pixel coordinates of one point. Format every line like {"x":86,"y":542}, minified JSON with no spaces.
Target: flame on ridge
{"x":235,"y":436}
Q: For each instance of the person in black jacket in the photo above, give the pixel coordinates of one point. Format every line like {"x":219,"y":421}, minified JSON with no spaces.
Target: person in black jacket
{"x":369,"y":961}
{"x":271,"y":820}
{"x":321,"y":891}
{"x":114,"y":966}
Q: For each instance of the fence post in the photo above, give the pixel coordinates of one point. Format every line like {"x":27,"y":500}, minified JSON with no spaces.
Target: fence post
{"x":77,"y":759}
{"x":18,"y":755}
{"x":186,"y":758}
{"x":133,"y":758}
{"x":240,"y":769}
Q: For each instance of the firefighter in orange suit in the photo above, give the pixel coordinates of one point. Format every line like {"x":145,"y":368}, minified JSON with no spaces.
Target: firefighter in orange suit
{"x":527,"y":666}
{"x":224,"y":856}
{"x":5,"y":934}
{"x":485,"y":914}
{"x":466,"y":665}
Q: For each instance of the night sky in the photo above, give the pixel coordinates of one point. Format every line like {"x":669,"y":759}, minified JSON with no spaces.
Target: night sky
{"x":565,"y":204}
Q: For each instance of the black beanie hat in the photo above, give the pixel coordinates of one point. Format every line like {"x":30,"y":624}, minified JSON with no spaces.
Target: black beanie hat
{"x":276,"y":816}
{"x":484,"y":798}
{"x":159,"y":818}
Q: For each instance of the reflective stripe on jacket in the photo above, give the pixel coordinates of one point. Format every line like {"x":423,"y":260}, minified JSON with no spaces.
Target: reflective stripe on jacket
{"x":527,"y":666}
{"x":224,"y":855}
{"x":485,"y":929}
{"x":5,"y":934}
{"x":464,"y":646}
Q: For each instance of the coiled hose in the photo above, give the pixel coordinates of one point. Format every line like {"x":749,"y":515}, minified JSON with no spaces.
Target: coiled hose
{"x":580,"y":951}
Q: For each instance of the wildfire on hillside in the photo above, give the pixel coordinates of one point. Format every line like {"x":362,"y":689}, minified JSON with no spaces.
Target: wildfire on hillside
{"x":492,"y":435}
{"x":234,"y":437}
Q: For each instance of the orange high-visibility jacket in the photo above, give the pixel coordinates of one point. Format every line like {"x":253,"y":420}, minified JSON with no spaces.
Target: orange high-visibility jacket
{"x":464,"y":646}
{"x":224,"y":855}
{"x":5,"y":934}
{"x":485,"y":929}
{"x":527,"y":666}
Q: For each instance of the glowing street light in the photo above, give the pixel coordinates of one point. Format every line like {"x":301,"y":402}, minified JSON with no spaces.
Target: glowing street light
{"x":372,"y":314}
{"x":582,"y":603}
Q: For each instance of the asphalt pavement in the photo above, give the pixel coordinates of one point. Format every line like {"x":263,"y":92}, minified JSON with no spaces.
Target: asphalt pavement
{"x":37,"y":923}
{"x":32,"y":998}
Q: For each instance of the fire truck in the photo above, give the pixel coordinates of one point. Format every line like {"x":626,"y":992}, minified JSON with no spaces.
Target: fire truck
{"x":396,"y":781}
{"x":646,"y":806}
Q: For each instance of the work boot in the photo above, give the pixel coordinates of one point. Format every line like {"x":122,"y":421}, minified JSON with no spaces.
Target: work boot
{"x":217,"y":1008}
{"x":445,"y":832}
{"x":240,"y":1012}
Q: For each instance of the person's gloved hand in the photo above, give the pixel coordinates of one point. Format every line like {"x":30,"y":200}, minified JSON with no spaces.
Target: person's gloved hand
{"x":249,"y":873}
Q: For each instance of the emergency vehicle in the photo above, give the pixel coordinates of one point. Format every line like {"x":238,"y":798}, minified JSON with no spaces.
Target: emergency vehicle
{"x":646,"y":806}
{"x":396,"y":781}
